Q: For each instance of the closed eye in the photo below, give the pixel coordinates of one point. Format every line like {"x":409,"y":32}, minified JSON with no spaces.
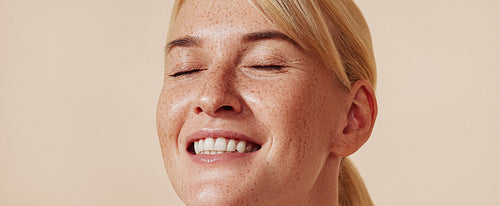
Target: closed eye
{"x":268,"y":67}
{"x":188,"y":72}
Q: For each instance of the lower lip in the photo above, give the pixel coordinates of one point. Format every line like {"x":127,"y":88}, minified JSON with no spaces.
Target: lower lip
{"x":220,"y":158}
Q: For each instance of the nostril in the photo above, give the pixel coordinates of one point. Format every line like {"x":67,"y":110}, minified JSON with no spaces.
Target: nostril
{"x":198,"y":110}
{"x":227,"y":108}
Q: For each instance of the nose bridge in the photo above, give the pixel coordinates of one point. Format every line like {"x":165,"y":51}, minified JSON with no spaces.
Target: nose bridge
{"x":217,"y":84}
{"x":218,"y":93}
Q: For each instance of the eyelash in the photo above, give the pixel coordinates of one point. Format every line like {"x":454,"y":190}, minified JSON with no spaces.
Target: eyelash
{"x":268,"y":67}
{"x":259,"y":67}
{"x":187,"y":72}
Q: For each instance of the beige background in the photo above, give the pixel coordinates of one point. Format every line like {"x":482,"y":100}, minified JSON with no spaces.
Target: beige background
{"x":79,"y":81}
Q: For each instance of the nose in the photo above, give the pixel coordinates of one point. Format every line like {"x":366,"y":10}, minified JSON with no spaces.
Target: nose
{"x":218,"y":95}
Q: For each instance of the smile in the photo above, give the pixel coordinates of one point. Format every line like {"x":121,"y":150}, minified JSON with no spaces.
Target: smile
{"x":221,"y":145}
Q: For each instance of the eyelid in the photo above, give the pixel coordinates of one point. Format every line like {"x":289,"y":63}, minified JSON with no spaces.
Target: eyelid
{"x":268,"y":67}
{"x":265,"y":56}
{"x":186,"y":70}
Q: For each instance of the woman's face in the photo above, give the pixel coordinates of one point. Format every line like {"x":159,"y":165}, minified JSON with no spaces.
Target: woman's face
{"x":230,"y":73}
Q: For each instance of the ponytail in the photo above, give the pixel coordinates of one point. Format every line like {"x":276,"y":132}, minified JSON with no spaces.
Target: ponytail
{"x":352,"y":190}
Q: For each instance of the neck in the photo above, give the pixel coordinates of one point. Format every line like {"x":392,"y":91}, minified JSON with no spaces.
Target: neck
{"x":325,"y":190}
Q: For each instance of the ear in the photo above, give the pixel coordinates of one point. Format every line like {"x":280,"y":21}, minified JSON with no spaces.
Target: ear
{"x":358,"y":121}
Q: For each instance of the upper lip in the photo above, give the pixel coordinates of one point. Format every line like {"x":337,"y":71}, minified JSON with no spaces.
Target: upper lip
{"x":205,"y":133}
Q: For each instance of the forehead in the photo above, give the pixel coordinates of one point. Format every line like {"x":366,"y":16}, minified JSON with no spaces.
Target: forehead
{"x":219,"y":18}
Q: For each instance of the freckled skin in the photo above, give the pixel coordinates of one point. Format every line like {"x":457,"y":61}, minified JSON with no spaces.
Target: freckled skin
{"x":296,"y":112}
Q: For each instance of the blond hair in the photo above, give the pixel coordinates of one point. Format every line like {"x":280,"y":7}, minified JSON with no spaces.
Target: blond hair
{"x":335,"y":31}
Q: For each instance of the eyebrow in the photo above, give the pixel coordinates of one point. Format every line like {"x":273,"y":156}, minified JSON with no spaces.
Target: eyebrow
{"x":265,"y":35}
{"x":192,"y":41}
{"x":187,"y":41}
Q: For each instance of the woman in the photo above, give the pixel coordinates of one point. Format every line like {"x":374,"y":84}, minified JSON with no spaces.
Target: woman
{"x":263,"y":100}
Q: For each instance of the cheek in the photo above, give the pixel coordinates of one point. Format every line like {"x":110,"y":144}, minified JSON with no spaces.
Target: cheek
{"x":299,"y":114}
{"x":172,"y":106}
{"x":170,"y":116}
{"x":295,"y":108}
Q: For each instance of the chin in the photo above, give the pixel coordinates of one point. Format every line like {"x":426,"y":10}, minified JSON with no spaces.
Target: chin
{"x":222,"y":186}
{"x":217,"y":194}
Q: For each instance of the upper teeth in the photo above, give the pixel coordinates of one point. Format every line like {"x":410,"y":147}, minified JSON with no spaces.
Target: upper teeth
{"x":221,"y":145}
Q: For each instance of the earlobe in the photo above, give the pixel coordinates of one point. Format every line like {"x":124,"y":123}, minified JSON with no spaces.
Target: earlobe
{"x":359,"y":120}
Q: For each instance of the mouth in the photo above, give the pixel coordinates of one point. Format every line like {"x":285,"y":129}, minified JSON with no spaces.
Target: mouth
{"x":221,"y":145}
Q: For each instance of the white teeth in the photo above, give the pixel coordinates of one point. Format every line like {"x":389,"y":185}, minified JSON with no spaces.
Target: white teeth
{"x":209,"y":144}
{"x":220,"y":144}
{"x":201,"y":145}
{"x":231,"y":145}
{"x":196,"y":148}
{"x":241,"y":146}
